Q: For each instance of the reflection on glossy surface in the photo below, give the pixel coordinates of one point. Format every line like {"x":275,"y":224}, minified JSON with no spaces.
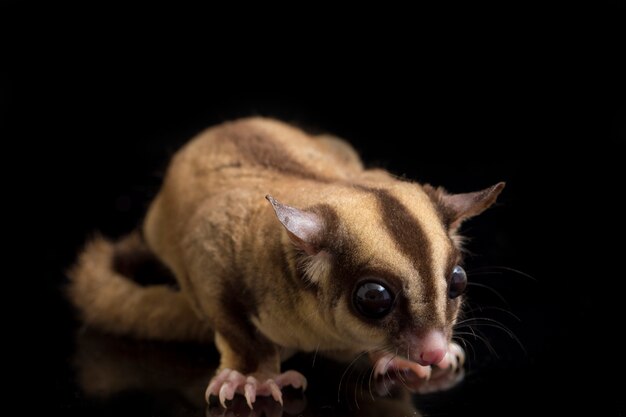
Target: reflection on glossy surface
{"x":171,"y":379}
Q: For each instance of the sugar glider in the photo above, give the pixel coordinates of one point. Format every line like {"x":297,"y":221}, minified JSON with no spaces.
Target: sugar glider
{"x":281,"y":242}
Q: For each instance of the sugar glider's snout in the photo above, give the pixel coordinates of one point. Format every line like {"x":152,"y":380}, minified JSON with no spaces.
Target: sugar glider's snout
{"x":429,"y":348}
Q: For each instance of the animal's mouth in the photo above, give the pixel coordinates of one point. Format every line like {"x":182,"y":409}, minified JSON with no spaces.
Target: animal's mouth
{"x":390,"y":369}
{"x":423,"y":350}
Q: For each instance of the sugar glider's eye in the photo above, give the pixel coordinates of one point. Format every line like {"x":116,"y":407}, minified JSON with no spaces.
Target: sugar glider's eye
{"x":458,"y":282}
{"x":373,"y":300}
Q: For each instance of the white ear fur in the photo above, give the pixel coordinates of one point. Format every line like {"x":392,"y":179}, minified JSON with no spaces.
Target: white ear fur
{"x":303,"y":227}
{"x":316,"y":267}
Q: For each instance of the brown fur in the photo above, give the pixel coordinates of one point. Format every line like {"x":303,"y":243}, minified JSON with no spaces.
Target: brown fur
{"x":114,"y":303}
{"x":265,"y":289}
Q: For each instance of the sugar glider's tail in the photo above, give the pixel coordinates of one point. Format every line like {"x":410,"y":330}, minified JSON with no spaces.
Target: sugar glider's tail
{"x":107,"y":289}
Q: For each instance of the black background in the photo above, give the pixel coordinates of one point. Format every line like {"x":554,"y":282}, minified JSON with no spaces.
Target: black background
{"x":91,"y":112}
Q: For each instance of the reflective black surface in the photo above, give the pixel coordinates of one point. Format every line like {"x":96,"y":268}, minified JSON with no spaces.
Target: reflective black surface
{"x":91,"y":130}
{"x":172,"y":379}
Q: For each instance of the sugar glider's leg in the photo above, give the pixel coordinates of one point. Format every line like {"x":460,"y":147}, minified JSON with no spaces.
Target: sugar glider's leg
{"x":250,"y":366}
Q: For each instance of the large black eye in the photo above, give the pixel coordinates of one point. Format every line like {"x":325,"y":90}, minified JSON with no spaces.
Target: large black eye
{"x":458,"y":282}
{"x":373,"y":300}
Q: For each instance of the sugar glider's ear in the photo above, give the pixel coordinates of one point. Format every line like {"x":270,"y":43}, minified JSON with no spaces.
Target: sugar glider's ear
{"x":303,"y":227}
{"x":456,"y":208}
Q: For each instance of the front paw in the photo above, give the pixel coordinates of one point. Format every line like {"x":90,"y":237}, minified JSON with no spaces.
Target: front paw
{"x":447,"y":373}
{"x":390,"y":370}
{"x":228,"y":382}
{"x":454,"y":359}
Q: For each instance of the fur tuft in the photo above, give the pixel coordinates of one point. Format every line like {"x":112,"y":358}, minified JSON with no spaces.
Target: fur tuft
{"x":316,"y":268}
{"x":115,"y":304}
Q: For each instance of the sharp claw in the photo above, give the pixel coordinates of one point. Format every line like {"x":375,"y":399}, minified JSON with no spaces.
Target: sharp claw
{"x":428,"y":373}
{"x":215,"y":384}
{"x":208,"y":392}
{"x":382,"y":366}
{"x":449,"y":361}
{"x":295,"y":379}
{"x":228,"y":382}
{"x":454,"y":359}
{"x":227,"y":392}
{"x":212,"y":389}
{"x":277,"y":395}
{"x":458,"y":352}
{"x":250,"y":394}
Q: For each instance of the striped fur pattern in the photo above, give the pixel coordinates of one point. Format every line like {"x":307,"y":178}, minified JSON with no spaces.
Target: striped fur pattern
{"x":269,"y":278}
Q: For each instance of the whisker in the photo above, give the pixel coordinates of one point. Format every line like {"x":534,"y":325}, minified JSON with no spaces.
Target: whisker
{"x":504,"y":268}
{"x":402,"y":379}
{"x":487,"y":342}
{"x":482,"y":338}
{"x":479,"y":320}
{"x":356,"y":387}
{"x":387,"y":389}
{"x":502,"y":327}
{"x":345,"y":372}
{"x":472,"y":330}
{"x":505,"y":330}
{"x":364,"y":374}
{"x":476,"y":272}
{"x":317,"y":348}
{"x":369,"y":383}
{"x":487,"y":308}
{"x":400,"y":376}
{"x":465,"y":321}
{"x":350,"y":368}
{"x":487,"y":287}
{"x":467,"y":346}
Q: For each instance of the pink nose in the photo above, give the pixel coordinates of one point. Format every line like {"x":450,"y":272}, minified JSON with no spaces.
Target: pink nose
{"x":431,"y":357}
{"x":432,"y":347}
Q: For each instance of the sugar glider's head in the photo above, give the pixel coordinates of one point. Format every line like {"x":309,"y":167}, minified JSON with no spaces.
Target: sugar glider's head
{"x":385,"y":263}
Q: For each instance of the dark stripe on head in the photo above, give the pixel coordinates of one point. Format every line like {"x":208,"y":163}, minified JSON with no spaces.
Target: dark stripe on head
{"x":409,"y":237}
{"x":345,"y":269}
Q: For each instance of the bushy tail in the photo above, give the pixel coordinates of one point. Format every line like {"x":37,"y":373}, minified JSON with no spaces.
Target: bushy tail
{"x":108,"y":298}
